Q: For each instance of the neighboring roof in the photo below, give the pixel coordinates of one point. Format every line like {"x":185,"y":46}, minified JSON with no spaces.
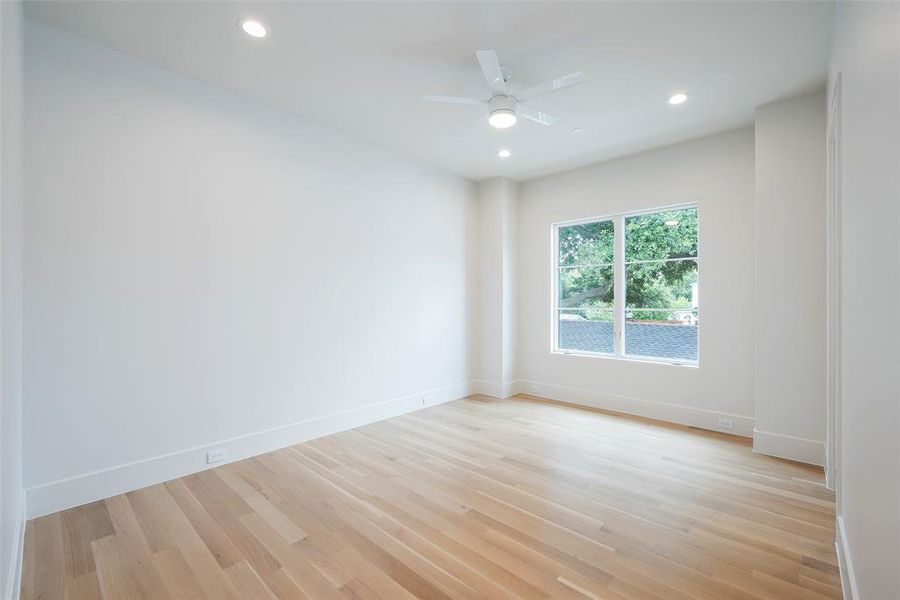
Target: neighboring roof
{"x":641,"y":339}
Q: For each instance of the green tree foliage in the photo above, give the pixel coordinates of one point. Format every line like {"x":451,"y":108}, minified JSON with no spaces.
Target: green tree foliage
{"x":653,"y":281}
{"x":586,"y":252}
{"x":667,"y":283}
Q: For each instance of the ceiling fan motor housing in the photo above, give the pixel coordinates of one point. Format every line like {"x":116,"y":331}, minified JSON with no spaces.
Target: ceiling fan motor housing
{"x":502,"y":103}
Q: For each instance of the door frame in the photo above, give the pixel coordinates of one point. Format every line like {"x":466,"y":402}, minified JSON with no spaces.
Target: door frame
{"x":833,"y":292}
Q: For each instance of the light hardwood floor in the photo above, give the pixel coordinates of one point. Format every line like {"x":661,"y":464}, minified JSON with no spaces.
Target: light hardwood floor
{"x":476,"y":498}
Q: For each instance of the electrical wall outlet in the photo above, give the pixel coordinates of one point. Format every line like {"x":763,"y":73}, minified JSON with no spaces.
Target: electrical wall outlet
{"x":726,"y":423}
{"x":216,"y":455}
{"x":533,"y":387}
{"x":424,"y":400}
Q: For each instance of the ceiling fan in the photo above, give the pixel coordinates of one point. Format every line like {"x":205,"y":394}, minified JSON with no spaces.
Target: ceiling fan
{"x":504,"y":107}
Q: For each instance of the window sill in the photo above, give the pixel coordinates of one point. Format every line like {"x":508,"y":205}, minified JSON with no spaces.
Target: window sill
{"x":622,"y":357}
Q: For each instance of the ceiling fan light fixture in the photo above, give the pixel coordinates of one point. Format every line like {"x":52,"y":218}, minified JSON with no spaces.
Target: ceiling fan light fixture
{"x":502,"y":118}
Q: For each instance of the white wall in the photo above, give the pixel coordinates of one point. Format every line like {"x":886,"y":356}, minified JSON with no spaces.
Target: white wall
{"x":11,"y":199}
{"x":200,"y":267}
{"x":497,"y":247}
{"x":866,"y":56}
{"x":718,"y":173}
{"x":790,"y":279}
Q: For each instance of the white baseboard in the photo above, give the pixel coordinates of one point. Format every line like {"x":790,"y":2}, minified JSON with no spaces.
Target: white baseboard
{"x":653,"y":409}
{"x":845,"y":563}
{"x":495,"y":389}
{"x":14,"y":570}
{"x":88,"y":487}
{"x":788,"y":446}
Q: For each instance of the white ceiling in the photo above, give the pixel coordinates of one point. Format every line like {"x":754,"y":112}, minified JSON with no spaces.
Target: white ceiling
{"x":361,"y":67}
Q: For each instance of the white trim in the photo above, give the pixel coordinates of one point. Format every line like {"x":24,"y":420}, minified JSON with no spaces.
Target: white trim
{"x":14,"y":570}
{"x":634,"y":213}
{"x":554,"y":285}
{"x":790,"y":447}
{"x":630,"y":308}
{"x":587,"y":266}
{"x":695,"y":258}
{"x":628,"y":357}
{"x":845,"y":563}
{"x":833,"y":293}
{"x":88,"y":487}
{"x":495,"y":389}
{"x":642,"y":407}
{"x":618,"y":288}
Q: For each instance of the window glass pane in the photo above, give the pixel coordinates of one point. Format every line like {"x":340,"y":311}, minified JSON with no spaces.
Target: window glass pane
{"x":662,"y":284}
{"x":668,"y":234}
{"x":586,"y":286}
{"x":661,"y":314}
{"x":587,"y":243}
{"x":586,"y":330}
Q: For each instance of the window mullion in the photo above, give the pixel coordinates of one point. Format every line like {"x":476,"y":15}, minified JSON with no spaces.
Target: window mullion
{"x":619,"y":286}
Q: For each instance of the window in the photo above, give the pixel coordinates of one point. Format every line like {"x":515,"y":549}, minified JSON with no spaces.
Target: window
{"x":628,"y":286}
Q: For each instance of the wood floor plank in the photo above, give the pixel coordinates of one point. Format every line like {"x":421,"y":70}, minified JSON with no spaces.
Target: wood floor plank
{"x":155,"y":508}
{"x":84,"y":587}
{"x":81,"y":526}
{"x":247,"y":582}
{"x":133,"y":561}
{"x":180,"y":580}
{"x":213,"y":536}
{"x":477,"y":498}
{"x":44,"y":568}
{"x":119,"y":571}
{"x":310,"y":581}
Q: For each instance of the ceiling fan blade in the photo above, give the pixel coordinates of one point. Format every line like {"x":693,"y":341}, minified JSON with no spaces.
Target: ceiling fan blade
{"x":451,"y":99}
{"x":535,"y":115}
{"x":493,"y":72}
{"x":551,"y":86}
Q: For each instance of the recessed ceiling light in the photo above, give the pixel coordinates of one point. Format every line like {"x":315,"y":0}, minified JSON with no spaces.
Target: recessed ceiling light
{"x":253,"y":28}
{"x":677,"y":98}
{"x":504,"y":153}
{"x":502,"y":118}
